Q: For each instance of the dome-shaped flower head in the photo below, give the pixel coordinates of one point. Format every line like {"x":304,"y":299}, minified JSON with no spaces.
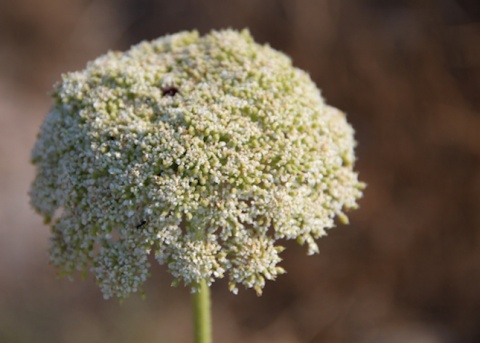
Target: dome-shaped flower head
{"x":204,"y":151}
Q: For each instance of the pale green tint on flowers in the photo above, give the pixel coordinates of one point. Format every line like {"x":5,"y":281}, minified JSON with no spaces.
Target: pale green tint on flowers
{"x":205,"y":151}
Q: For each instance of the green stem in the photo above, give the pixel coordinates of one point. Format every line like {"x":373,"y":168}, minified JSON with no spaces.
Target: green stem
{"x":201,"y":313}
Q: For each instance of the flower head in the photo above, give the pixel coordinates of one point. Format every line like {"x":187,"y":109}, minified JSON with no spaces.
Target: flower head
{"x":205,"y":151}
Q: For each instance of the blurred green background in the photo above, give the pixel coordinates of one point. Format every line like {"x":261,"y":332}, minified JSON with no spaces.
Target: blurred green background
{"x":407,"y":268}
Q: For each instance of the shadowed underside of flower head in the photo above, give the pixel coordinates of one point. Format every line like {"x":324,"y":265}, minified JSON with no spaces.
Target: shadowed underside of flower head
{"x":203,"y":150}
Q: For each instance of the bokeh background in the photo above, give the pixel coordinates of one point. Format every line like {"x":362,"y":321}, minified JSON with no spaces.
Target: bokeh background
{"x":407,"y":268}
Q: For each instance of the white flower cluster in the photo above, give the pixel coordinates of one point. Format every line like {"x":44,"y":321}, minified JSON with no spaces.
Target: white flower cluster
{"x":205,"y":151}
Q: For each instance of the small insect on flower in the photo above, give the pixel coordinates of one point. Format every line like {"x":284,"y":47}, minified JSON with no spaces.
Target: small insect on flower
{"x":170,"y":91}
{"x":142,"y":223}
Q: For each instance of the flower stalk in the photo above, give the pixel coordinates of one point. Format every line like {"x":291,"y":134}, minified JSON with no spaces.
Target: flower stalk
{"x":202,"y":314}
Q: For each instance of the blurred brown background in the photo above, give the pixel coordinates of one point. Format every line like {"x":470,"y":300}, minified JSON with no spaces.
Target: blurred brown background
{"x":407,"y":269}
